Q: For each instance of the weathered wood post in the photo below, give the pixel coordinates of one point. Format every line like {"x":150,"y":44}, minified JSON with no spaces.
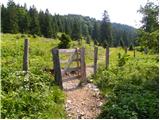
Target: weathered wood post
{"x":134,"y":52}
{"x":57,"y":67}
{"x":107,"y":56}
{"x":25,"y":55}
{"x":77,"y":57}
{"x":83,"y":64}
{"x":125,"y":50}
{"x":95,"y":59}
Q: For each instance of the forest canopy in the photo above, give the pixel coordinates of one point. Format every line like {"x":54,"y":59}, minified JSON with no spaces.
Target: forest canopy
{"x":18,"y":19}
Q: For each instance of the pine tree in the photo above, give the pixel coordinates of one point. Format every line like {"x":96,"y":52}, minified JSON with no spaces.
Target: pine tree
{"x":11,"y":18}
{"x":48,"y":28}
{"x":23,"y":19}
{"x":125,"y":39}
{"x":54,"y":26}
{"x":42,"y":22}
{"x":3,"y":19}
{"x":34,"y":21}
{"x":85,"y":31}
{"x":106,"y":34}
{"x":76,"y":31}
{"x":67,"y":27}
{"x":96,"y":33}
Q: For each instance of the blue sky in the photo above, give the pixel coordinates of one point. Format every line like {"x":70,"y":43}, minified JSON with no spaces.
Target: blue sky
{"x":120,"y":11}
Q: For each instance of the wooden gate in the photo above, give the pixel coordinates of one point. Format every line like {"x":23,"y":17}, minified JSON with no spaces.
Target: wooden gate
{"x":77,"y":55}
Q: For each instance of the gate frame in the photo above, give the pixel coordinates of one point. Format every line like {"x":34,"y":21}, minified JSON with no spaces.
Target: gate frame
{"x":57,"y":66}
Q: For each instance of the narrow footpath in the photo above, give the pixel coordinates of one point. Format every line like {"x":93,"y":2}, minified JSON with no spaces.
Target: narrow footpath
{"x":83,"y":102}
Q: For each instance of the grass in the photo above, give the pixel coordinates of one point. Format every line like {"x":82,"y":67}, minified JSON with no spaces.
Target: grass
{"x":44,"y":98}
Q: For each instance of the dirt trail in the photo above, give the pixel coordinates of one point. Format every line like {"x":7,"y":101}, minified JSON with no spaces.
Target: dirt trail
{"x":83,"y":102}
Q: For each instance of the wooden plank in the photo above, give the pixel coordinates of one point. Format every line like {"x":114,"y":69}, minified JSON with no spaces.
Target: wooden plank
{"x":63,"y":61}
{"x":67,"y":50}
{"x":90,"y":66}
{"x":73,"y":69}
{"x":76,"y":60}
{"x":70,"y":70}
{"x":71,"y":78}
{"x":69,"y":63}
{"x":57,"y":68}
{"x":107,"y":56}
{"x":66,"y":61}
{"x":95,"y":59}
{"x":83,"y":64}
{"x":25,"y":55}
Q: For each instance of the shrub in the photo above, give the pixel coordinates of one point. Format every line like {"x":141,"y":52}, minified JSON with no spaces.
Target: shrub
{"x":131,"y":90}
{"x":122,"y":59}
{"x":65,"y":41}
{"x":131,"y":47}
{"x":30,"y":98}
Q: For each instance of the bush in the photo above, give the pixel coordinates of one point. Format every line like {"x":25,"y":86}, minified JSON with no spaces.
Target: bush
{"x":139,"y":48}
{"x":122,"y":59}
{"x":131,"y":47}
{"x":132,"y":90}
{"x":30,"y":98}
{"x":37,"y":96}
{"x":65,"y":41}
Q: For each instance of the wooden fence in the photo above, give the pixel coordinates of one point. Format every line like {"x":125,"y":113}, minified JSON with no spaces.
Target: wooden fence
{"x":77,"y":55}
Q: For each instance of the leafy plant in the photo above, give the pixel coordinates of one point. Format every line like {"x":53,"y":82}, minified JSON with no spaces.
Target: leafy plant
{"x":131,"y":90}
{"x":65,"y":41}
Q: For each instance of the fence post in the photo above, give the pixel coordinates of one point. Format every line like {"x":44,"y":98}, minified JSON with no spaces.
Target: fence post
{"x":77,"y":57}
{"x":25,"y":55}
{"x":107,"y":56}
{"x":134,"y":52}
{"x":95,"y":59}
{"x":125,"y":50}
{"x":57,"y":68}
{"x":83,"y":64}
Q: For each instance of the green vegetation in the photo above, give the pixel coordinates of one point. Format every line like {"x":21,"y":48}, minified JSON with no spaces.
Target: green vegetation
{"x":106,"y":31}
{"x":130,"y":84}
{"x":149,"y":32}
{"x":65,"y":41}
{"x":24,"y":95}
{"x":130,"y":87}
{"x":34,"y":95}
{"x":18,"y":19}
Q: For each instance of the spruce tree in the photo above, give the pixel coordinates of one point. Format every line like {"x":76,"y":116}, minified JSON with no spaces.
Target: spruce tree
{"x":106,"y":34}
{"x":96,"y":33}
{"x":76,"y":32}
{"x":3,"y":19}
{"x":11,"y":18}
{"x":34,"y":21}
{"x":23,"y":19}
{"x":42,"y":22}
{"x":48,"y":26}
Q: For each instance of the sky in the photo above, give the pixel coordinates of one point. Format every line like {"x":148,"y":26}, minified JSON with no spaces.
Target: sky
{"x":120,"y":11}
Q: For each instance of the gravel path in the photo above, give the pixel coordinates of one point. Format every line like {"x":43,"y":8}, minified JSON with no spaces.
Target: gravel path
{"x":83,"y":102}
